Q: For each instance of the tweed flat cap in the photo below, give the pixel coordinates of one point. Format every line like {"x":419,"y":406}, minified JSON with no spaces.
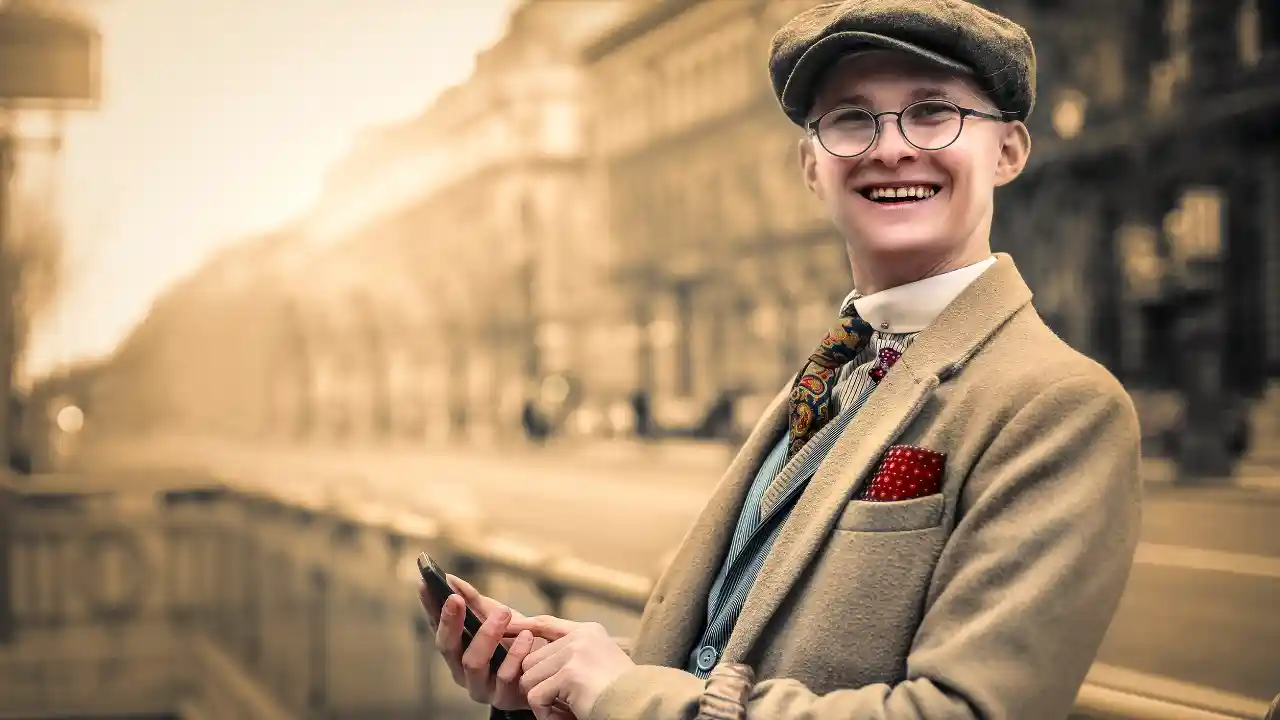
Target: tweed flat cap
{"x":956,"y":34}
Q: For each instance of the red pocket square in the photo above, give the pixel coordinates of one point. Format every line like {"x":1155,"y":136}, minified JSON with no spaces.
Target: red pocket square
{"x":906,"y":473}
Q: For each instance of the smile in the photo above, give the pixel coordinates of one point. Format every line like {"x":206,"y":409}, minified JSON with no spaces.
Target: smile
{"x":887,"y":195}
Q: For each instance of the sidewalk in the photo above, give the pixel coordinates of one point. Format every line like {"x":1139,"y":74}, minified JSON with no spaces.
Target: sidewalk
{"x":681,"y":457}
{"x":681,"y":461}
{"x":690,"y":454}
{"x":1159,"y":472}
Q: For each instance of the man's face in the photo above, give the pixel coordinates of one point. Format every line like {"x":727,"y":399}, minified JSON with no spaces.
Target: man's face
{"x":947,"y":213}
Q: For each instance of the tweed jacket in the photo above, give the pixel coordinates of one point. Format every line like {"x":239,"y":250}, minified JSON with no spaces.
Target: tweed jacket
{"x":987,"y":600}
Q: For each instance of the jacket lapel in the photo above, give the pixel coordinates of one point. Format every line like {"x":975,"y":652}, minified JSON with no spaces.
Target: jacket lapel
{"x":937,"y":352}
{"x":678,"y":610}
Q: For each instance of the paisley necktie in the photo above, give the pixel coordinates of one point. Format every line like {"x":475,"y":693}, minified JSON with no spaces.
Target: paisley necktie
{"x":812,"y":392}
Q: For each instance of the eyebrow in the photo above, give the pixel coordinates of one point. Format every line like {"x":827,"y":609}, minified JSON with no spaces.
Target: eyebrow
{"x":923,"y":93}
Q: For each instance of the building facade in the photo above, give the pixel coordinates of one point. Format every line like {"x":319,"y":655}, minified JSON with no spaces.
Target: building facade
{"x":452,"y":263}
{"x":215,"y":355}
{"x":615,"y":197}
{"x":726,"y":265}
{"x":1152,"y":181}
{"x":489,"y":216}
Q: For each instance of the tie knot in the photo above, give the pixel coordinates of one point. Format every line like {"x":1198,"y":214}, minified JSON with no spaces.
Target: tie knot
{"x":843,"y":343}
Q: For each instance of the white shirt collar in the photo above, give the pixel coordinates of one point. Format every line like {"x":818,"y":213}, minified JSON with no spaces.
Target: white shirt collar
{"x":910,"y":308}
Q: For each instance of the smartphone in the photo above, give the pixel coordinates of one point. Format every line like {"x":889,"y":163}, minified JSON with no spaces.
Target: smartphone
{"x":438,"y":588}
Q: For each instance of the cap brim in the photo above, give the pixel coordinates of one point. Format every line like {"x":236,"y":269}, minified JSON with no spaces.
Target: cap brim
{"x":798,"y":93}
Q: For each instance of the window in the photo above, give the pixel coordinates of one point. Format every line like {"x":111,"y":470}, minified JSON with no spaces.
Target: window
{"x":560,"y":128}
{"x":1109,"y":77}
{"x":1249,"y":34}
{"x":1269,"y":25}
{"x":1177,"y":23}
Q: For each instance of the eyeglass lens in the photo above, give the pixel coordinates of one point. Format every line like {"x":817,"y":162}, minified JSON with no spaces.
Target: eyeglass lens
{"x":928,"y":125}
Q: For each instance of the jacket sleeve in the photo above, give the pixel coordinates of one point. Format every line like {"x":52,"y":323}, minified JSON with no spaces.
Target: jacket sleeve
{"x":1023,"y":591}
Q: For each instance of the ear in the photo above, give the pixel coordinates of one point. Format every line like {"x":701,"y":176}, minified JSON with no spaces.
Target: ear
{"x":1015,"y":149}
{"x":809,"y":166}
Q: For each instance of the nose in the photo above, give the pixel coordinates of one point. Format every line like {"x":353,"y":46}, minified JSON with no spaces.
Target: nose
{"x":890,"y":147}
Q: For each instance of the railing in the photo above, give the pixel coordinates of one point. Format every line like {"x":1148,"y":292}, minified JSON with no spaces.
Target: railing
{"x":240,"y":603}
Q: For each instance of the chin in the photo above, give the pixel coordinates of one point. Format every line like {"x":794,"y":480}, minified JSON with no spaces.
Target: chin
{"x":902,"y":243}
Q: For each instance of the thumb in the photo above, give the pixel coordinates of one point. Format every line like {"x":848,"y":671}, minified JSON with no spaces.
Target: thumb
{"x":547,"y":627}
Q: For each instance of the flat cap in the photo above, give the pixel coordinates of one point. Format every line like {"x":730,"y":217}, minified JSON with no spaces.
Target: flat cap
{"x":956,"y":34}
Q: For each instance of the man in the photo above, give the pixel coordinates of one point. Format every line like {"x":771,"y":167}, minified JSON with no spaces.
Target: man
{"x":937,"y":517}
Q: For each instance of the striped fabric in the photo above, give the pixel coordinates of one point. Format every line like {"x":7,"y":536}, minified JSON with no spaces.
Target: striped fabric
{"x":757,"y":531}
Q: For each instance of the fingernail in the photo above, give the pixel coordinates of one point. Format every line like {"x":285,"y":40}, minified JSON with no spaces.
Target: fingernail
{"x":449,"y":606}
{"x":524,"y":638}
{"x":504,"y":615}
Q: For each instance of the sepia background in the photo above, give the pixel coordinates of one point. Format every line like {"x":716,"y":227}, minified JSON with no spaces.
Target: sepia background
{"x":294,"y":290}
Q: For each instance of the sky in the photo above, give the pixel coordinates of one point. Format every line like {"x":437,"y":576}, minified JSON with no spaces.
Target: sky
{"x":219,"y":119}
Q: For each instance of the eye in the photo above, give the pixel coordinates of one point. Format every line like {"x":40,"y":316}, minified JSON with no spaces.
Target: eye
{"x":932,"y":112}
{"x":848,"y":117}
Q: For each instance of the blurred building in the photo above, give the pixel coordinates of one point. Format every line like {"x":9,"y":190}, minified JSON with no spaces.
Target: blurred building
{"x":1149,"y":201}
{"x":483,"y":205}
{"x":1146,"y":223}
{"x":216,"y":352}
{"x":453,"y":261}
{"x":615,"y":197}
{"x":727,"y":267}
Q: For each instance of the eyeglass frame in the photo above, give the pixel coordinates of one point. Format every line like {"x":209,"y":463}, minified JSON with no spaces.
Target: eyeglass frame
{"x":811,"y":127}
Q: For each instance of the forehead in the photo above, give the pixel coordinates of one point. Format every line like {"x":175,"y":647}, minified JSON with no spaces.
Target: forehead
{"x":890,"y":78}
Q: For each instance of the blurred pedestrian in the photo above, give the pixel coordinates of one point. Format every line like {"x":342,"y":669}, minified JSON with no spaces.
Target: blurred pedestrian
{"x":937,"y":518}
{"x":718,"y":422}
{"x":644,"y":427}
{"x":1214,"y":429}
{"x":535,"y":425}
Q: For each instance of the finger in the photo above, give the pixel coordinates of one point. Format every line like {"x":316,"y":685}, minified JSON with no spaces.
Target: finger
{"x":545,"y":626}
{"x":476,"y":658}
{"x":449,"y":637}
{"x":555,"y":712}
{"x":537,"y":673}
{"x":546,"y":652}
{"x":543,"y":695}
{"x":481,"y":605}
{"x":506,"y":693}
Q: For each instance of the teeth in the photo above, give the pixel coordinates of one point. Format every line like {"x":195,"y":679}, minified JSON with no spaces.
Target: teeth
{"x":921,"y":192}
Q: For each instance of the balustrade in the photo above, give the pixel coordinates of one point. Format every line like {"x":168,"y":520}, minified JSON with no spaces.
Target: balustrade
{"x":214,"y":603}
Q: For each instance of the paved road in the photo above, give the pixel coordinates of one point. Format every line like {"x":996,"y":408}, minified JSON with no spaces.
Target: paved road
{"x":1203,"y":605}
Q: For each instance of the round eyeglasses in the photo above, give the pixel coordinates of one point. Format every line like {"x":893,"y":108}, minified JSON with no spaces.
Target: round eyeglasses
{"x":928,"y":125}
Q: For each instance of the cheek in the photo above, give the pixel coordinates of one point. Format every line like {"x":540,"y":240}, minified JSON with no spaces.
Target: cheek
{"x":831,"y":172}
{"x":969,"y":176}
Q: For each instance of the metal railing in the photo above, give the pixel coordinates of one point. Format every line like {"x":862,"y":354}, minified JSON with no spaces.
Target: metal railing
{"x":1108,"y":693}
{"x":284,"y":608}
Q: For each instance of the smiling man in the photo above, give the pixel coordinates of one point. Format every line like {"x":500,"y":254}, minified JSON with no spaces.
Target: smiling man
{"x":937,"y":516}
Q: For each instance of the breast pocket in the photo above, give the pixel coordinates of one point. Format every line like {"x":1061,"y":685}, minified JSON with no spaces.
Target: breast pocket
{"x":863,"y":602}
{"x":915,"y":514}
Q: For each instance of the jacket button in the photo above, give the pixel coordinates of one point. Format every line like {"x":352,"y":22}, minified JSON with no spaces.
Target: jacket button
{"x":707,"y":657}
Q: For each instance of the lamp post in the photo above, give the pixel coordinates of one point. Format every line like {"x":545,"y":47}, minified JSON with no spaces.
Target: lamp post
{"x":48,"y":59}
{"x":1195,"y":231}
{"x":8,"y":344}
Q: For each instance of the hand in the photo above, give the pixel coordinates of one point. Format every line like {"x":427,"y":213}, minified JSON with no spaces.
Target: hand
{"x":574,"y":668}
{"x":470,"y":669}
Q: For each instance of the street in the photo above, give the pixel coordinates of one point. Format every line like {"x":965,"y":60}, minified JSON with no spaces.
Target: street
{"x":1201,"y":606}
